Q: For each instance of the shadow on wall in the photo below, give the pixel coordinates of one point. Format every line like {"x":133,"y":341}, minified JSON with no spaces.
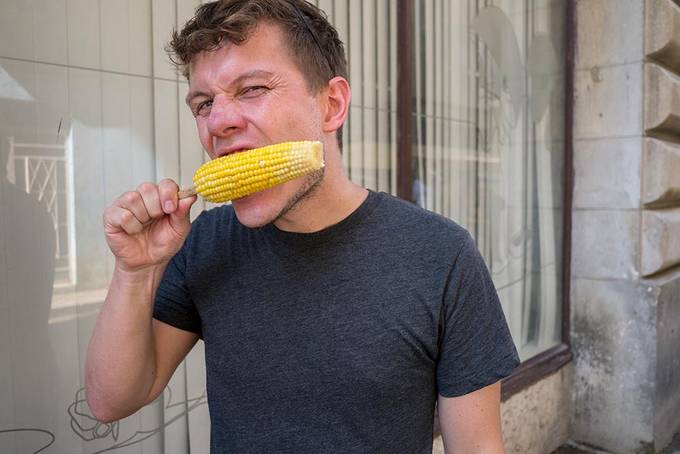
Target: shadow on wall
{"x":27,"y":246}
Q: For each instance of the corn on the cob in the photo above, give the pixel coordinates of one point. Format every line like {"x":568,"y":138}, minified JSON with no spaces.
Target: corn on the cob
{"x":239,"y":174}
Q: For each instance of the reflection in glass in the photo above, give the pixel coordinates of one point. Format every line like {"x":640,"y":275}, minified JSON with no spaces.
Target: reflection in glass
{"x":488,"y":119}
{"x":82,"y":122}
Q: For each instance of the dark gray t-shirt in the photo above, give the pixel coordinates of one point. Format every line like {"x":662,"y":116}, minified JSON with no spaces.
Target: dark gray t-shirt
{"x":336,"y":341}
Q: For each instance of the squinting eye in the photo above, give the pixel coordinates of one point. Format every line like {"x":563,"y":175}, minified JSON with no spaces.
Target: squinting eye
{"x":203,"y":108}
{"x":254,"y":91}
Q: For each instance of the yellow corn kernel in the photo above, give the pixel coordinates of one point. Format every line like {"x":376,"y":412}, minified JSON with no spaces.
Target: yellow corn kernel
{"x":239,"y":174}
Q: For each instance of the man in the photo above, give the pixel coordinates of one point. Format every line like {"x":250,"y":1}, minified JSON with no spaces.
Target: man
{"x":333,"y":317}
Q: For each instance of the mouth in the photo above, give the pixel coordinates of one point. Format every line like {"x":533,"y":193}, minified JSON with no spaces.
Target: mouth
{"x":232,"y":150}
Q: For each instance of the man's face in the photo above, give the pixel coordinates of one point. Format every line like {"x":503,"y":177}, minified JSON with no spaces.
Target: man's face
{"x":252,"y":95}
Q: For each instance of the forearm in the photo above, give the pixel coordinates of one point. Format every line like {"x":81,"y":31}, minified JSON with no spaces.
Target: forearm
{"x":120,"y":368}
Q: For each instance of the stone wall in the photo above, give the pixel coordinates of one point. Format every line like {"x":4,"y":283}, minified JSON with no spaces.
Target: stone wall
{"x":626,"y":225}
{"x":536,"y":419}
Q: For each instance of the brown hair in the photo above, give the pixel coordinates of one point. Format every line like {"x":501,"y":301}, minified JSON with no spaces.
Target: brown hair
{"x":313,"y":42}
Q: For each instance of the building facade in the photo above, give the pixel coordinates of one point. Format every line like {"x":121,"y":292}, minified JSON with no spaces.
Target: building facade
{"x":547,"y":128}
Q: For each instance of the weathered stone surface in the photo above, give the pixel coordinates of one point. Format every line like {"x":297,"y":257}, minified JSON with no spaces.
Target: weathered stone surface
{"x":614,"y":344}
{"x":662,"y":32}
{"x":605,"y":244}
{"x":607,"y":173}
{"x":662,"y":103}
{"x":660,"y":173}
{"x":660,"y":240}
{"x":609,"y":32}
{"x":537,"y":419}
{"x":667,"y":398}
{"x":608,"y":101}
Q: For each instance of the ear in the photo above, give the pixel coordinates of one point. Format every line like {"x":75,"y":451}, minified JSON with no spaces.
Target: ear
{"x":338,"y":96}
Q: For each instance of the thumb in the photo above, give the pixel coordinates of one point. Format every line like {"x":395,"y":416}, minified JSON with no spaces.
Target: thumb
{"x":179,"y":219}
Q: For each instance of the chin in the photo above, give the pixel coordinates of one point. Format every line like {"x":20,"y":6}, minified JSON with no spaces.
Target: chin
{"x":255,"y":210}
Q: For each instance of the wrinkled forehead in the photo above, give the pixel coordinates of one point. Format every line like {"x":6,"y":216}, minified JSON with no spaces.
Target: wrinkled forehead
{"x":265,"y":43}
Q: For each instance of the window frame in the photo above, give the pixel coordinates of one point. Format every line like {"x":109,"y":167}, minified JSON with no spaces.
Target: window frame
{"x":549,"y":361}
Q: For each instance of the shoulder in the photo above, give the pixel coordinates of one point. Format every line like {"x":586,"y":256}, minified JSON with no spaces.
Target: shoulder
{"x":414,"y":224}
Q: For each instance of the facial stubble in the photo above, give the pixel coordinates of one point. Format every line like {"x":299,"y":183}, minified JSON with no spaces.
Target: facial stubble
{"x":309,"y":187}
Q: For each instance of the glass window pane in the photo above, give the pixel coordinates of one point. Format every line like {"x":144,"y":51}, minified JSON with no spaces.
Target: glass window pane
{"x":489,"y":144}
{"x":368,"y":30}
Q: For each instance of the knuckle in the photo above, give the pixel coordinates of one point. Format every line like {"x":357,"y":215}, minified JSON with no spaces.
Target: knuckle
{"x":146,"y":187}
{"x":125,"y":217}
{"x":168,"y":185}
{"x":130,"y":197}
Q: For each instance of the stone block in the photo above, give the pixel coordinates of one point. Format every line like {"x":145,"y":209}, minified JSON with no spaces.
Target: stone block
{"x":609,"y":32}
{"x":605,"y":244}
{"x":607,"y":173}
{"x":662,"y":103}
{"x":660,"y":171}
{"x":608,"y":101}
{"x":667,"y":398}
{"x":660,"y":240}
{"x":662,"y":32}
{"x":614,"y":345}
{"x":537,"y":419}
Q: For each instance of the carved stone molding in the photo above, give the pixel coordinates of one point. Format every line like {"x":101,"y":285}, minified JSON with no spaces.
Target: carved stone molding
{"x":660,"y":173}
{"x":662,"y":33}
{"x":662,"y":103}
{"x":660,"y":240}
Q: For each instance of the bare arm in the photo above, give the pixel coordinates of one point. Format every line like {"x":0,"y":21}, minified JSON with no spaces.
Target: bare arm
{"x":471,"y":424}
{"x":131,"y":357}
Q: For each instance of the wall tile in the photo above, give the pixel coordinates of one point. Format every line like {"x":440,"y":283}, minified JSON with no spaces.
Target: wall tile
{"x":605,"y":244}
{"x":89,"y":177}
{"x":140,"y":46}
{"x":83,"y":33}
{"x":49,"y":26}
{"x":610,"y":32}
{"x":607,"y":173}
{"x":166,"y":127}
{"x":18,"y":115}
{"x":114,"y":31}
{"x":614,"y":345}
{"x":17,"y":38}
{"x":164,"y":19}
{"x":51,"y":94}
{"x":608,"y":102}
{"x":667,"y":402}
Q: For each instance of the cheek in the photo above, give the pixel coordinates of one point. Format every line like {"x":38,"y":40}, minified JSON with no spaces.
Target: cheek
{"x":204,"y":136}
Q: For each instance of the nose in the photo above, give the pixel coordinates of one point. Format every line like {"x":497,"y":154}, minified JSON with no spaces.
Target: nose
{"x":225,"y":116}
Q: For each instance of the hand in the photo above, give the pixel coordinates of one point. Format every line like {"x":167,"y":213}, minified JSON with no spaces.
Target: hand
{"x":146,"y":227}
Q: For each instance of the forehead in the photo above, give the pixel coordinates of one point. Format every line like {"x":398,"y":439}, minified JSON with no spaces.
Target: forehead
{"x":265,"y":49}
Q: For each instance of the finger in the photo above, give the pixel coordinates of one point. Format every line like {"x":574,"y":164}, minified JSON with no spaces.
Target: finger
{"x":123,"y":219}
{"x":167,"y":189}
{"x":151,"y":198}
{"x":133,"y":202}
{"x":179,"y":219}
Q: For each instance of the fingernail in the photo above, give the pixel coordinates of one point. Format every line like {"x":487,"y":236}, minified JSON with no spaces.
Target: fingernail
{"x":169,"y":207}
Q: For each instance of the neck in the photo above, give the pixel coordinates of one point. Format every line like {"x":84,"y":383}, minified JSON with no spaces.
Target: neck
{"x":335,"y":198}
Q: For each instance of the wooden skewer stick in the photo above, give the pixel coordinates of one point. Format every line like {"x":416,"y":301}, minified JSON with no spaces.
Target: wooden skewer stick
{"x":186,"y":192}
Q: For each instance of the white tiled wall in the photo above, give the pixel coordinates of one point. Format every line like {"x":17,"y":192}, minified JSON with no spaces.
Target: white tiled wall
{"x":94,"y":74}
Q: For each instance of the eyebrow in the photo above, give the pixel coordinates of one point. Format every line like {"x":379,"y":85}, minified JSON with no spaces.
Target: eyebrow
{"x":254,"y":74}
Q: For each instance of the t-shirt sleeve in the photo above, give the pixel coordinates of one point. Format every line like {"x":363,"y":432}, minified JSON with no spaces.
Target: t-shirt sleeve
{"x":476,"y":348}
{"x":173,"y":304}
